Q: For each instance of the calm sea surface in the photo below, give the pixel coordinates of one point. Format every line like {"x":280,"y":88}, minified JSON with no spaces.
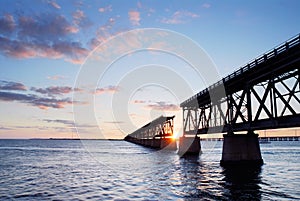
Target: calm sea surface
{"x":118,"y":170}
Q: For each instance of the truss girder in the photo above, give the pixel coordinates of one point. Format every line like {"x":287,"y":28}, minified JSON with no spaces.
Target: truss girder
{"x":264,"y":94}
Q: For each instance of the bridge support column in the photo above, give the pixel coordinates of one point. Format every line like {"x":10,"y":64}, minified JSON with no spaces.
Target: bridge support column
{"x":241,"y":149}
{"x":189,"y":145}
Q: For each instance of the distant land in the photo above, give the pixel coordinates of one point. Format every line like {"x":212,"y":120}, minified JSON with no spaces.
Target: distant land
{"x":72,"y":139}
{"x":269,"y":138}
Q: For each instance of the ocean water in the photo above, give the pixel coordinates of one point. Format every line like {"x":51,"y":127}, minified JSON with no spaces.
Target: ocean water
{"x":119,"y":170}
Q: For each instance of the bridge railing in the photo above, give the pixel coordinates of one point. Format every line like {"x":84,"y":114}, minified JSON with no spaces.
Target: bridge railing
{"x":261,"y":59}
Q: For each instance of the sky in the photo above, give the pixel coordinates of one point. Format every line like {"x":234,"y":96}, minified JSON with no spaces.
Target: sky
{"x":46,"y":46}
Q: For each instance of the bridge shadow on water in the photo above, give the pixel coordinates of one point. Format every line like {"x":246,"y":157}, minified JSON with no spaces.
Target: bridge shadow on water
{"x":205,"y":180}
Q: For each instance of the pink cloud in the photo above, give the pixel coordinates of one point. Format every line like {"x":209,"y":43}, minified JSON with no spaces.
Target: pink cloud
{"x":108,"y":89}
{"x":78,"y":15}
{"x":80,"y":19}
{"x":55,"y":90}
{"x":163,"y":106}
{"x":105,"y":9}
{"x":54,"y":4}
{"x":72,"y":51}
{"x":46,"y":35}
{"x":103,"y":33}
{"x":134,"y":17}
{"x":72,"y":29}
{"x":56,"y":77}
{"x":139,"y":101}
{"x":179,"y":17}
{"x":44,"y":27}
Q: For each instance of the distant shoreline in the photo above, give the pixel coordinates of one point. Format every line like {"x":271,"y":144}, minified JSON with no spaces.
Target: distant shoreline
{"x":275,"y":138}
{"x":57,"y":139}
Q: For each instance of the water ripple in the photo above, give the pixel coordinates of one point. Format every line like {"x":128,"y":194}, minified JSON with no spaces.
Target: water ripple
{"x":64,"y":170}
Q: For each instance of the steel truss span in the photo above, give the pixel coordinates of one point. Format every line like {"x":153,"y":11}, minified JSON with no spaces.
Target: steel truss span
{"x":264,"y":94}
{"x":159,"y":128}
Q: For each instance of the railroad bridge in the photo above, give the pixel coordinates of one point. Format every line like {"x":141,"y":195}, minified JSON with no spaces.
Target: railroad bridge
{"x":263,"y":94}
{"x":155,"y":134}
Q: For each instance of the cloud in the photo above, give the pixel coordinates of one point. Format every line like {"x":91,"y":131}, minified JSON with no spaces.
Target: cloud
{"x":206,"y":5}
{"x":5,"y":85}
{"x":103,"y":32}
{"x":114,"y":122}
{"x":134,"y":115}
{"x":72,"y":51}
{"x":61,"y":121}
{"x":105,"y":9}
{"x":150,"y":12}
{"x":179,"y":17}
{"x":44,"y":35}
{"x":46,"y":27}
{"x":139,"y":101}
{"x":56,"y":77}
{"x":7,"y":24}
{"x":54,"y":4}
{"x":139,"y":5}
{"x":160,"y":105}
{"x":163,"y":106}
{"x":54,"y":90}
{"x":80,"y":19}
{"x":134,"y":17}
{"x":5,"y":128}
{"x":78,"y":15}
{"x":69,"y":123}
{"x":56,"y":128}
{"x":34,"y":100}
{"x":108,"y":89}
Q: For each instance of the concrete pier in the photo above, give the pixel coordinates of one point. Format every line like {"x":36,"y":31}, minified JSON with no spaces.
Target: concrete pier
{"x":241,"y":149}
{"x":189,"y":146}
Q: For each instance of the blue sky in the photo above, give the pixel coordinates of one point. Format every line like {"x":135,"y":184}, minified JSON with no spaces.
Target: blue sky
{"x":44,"y":43}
